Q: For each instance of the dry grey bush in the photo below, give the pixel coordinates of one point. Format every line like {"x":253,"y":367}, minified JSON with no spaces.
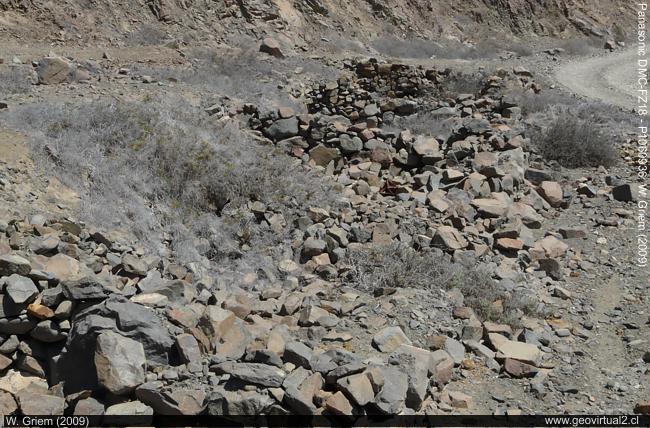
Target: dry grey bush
{"x":582,"y":46}
{"x":157,"y":166}
{"x":425,"y":123}
{"x":243,"y":73}
{"x":574,"y":141}
{"x":462,"y":83}
{"x":14,"y":80}
{"x":399,"y":266}
{"x":146,"y":35}
{"x":414,"y":47}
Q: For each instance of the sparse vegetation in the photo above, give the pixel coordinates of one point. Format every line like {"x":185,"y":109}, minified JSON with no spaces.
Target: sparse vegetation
{"x":14,"y":80}
{"x":425,"y":123}
{"x":242,"y":73}
{"x":463,"y":83}
{"x":146,"y":35}
{"x":399,"y":266}
{"x":148,"y":165}
{"x":574,"y":142}
{"x":581,"y":46}
{"x":414,"y":47}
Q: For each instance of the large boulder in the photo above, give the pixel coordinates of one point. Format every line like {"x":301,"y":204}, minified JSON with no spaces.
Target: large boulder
{"x":283,"y":128}
{"x":76,"y":365}
{"x":52,"y":70}
{"x":11,"y":263}
{"x":270,"y":46}
{"x":21,"y":289}
{"x":120,"y":362}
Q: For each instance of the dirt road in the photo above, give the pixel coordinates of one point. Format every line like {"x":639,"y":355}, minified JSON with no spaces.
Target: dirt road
{"x":610,"y":78}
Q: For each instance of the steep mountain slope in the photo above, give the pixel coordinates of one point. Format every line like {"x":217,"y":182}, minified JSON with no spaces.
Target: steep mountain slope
{"x":306,"y":21}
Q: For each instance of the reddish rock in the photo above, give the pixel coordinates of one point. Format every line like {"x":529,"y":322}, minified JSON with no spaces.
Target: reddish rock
{"x":518,"y":369}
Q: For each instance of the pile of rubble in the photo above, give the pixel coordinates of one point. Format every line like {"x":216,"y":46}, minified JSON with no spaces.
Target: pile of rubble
{"x":90,"y":324}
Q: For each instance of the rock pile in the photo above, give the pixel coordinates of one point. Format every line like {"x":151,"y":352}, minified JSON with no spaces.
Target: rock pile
{"x":84,"y":315}
{"x":91,"y":324}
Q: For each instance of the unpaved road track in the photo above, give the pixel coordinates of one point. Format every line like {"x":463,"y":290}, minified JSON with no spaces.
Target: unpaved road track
{"x":610,"y":78}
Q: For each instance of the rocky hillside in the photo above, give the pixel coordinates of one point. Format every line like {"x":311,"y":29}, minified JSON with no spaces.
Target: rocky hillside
{"x":387,"y":244}
{"x":307,"y":23}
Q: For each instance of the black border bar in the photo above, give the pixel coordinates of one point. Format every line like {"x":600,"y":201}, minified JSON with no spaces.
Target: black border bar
{"x":331,"y":421}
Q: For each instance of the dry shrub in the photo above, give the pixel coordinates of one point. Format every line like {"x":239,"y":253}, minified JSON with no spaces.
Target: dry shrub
{"x":398,"y":266}
{"x":164,"y":166}
{"x":575,"y":142}
{"x":14,"y":80}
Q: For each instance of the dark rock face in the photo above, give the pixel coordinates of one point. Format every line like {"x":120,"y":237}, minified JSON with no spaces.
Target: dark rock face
{"x":117,"y":314}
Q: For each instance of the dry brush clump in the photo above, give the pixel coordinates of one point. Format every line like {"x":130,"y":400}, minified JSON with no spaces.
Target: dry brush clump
{"x":14,"y":80}
{"x":398,"y":266}
{"x":574,"y":141}
{"x":415,"y":47}
{"x":166,"y":166}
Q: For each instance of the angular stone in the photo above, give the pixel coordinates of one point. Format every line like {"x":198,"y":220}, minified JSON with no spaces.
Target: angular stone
{"x":120,"y":363}
{"x":392,"y":396}
{"x":86,"y":288}
{"x":338,"y":404}
{"x":490,"y":208}
{"x":357,"y":387}
{"x":313,"y":247}
{"x":134,"y":265}
{"x":455,"y":349}
{"x":115,"y":314}
{"x":551,"y":246}
{"x":48,"y":331}
{"x":52,"y":70}
{"x":271,"y":47}
{"x":63,"y":267}
{"x":485,"y":163}
{"x":35,"y":402}
{"x":5,"y":362}
{"x":519,"y":369}
{"x":299,"y":402}
{"x":516,"y":350}
{"x":88,"y":406}
{"x":552,"y":192}
{"x":625,"y":193}
{"x":40,"y":311}
{"x":12,"y":264}
{"x":7,"y":403}
{"x":259,"y":374}
{"x":416,"y":362}
{"x":227,"y":333}
{"x":21,"y":289}
{"x":188,"y":348}
{"x":441,"y":367}
{"x":130,"y":408}
{"x":282,"y":129}
{"x":239,"y":402}
{"x":426,"y":146}
{"x":449,"y":238}
{"x":509,"y":244}
{"x":389,"y":339}
{"x":298,"y":354}
{"x":460,"y":400}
